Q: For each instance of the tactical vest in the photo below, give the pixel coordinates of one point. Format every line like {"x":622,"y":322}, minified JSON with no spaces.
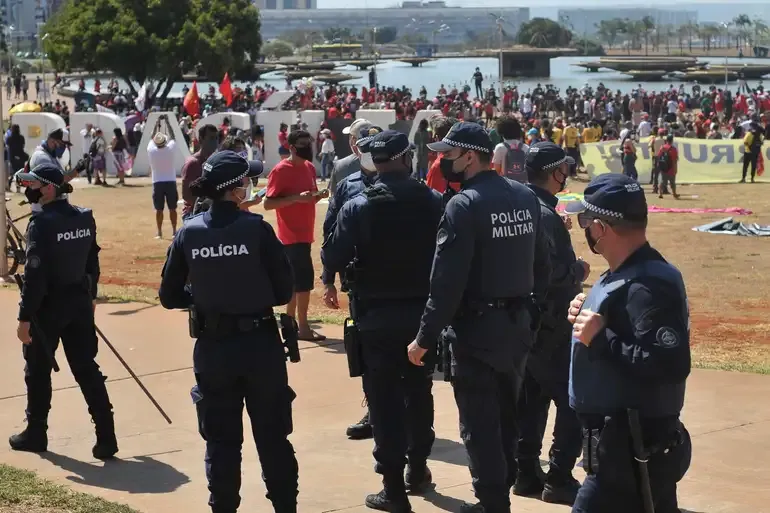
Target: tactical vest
{"x":600,"y":386}
{"x":225,"y":266}
{"x":71,"y":235}
{"x":396,"y":259}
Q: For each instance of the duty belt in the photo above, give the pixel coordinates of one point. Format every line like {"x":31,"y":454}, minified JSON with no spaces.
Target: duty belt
{"x":222,"y":325}
{"x":481,"y":306}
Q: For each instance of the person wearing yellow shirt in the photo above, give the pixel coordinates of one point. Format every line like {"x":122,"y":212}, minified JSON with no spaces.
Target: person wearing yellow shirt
{"x":752,"y":147}
{"x":571,"y":141}
{"x":558,"y":131}
{"x":592,"y":133}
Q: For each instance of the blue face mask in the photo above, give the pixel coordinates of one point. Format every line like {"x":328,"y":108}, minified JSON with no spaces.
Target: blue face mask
{"x":59,"y":152}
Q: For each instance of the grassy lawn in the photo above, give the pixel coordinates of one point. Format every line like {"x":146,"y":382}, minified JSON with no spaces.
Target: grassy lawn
{"x":23,"y":492}
{"x":728,"y":287}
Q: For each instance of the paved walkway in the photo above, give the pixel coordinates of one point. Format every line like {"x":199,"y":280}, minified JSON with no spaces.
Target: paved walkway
{"x":161,"y":469}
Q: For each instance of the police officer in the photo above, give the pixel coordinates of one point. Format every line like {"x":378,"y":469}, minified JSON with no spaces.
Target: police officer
{"x":491,"y":255}
{"x":547,"y":374}
{"x":57,"y":302}
{"x":390,"y":232}
{"x":238,"y":272}
{"x":348,"y":188}
{"x":630,"y":359}
{"x":346,"y":166}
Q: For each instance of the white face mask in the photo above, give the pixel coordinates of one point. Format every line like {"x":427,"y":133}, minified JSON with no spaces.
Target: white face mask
{"x":367,"y":162}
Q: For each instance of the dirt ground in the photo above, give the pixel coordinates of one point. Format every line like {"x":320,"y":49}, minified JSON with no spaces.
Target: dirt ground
{"x":728,"y":287}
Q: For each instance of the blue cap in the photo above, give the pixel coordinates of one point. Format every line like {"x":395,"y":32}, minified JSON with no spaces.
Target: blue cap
{"x":614,"y":197}
{"x":47,"y":174}
{"x":466,"y":135}
{"x":546,"y":156}
{"x":388,"y":145}
{"x":227,"y":169}
{"x":365,"y":134}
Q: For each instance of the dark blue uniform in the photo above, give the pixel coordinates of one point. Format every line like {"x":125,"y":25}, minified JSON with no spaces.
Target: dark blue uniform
{"x":60,"y":285}
{"x":639,"y":361}
{"x":491,"y":254}
{"x":390,"y":231}
{"x":237,"y":271}
{"x":547,"y":373}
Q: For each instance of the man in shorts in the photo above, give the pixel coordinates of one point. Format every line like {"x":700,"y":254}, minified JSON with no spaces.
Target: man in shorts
{"x":161,"y":152}
{"x":293,"y":194}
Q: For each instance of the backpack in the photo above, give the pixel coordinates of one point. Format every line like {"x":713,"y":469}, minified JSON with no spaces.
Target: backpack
{"x":514,"y":163}
{"x":664,"y":159}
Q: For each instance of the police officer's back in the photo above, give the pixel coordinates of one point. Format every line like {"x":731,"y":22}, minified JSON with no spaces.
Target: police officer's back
{"x":491,"y":255}
{"x":385,"y":236}
{"x":60,"y":284}
{"x":630,"y":357}
{"x":237,"y":271}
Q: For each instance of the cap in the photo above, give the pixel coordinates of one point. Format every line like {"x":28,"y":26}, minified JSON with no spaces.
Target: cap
{"x":365,"y":134}
{"x":547,"y":155}
{"x":353,"y":128}
{"x":388,"y":145}
{"x":283,"y":150}
{"x":227,"y":169}
{"x":612,"y":196}
{"x":47,"y":174}
{"x":470,"y":136}
{"x":60,"y":134}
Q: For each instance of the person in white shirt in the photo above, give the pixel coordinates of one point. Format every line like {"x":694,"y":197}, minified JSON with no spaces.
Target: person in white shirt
{"x":645,"y":127}
{"x":88,"y":137}
{"x":672,"y":107}
{"x":327,"y":153}
{"x":161,"y":154}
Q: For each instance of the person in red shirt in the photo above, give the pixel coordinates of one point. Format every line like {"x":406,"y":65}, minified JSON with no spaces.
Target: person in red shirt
{"x":283,"y":136}
{"x":293,"y":194}
{"x":435,"y":180}
{"x":669,"y":177}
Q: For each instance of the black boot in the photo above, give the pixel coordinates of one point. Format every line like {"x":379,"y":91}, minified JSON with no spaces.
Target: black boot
{"x":33,"y":439}
{"x":360,"y":430}
{"x":418,"y":479}
{"x":106,"y":444}
{"x":530,"y":478}
{"x":560,"y":489}
{"x":394,"y":503}
{"x":467,"y":507}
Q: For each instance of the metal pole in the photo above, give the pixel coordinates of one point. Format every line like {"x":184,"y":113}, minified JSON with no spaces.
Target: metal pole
{"x":501,"y":68}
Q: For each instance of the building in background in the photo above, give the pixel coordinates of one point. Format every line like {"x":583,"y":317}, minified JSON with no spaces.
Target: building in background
{"x":21,"y":20}
{"x":281,"y":5}
{"x":432,"y":22}
{"x":586,"y":20}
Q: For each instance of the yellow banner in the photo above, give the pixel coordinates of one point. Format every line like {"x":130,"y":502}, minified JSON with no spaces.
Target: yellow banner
{"x":700,"y":160}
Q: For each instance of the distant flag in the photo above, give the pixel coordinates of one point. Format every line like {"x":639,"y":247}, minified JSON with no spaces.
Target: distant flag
{"x":760,"y":164}
{"x":141,"y":97}
{"x":192,"y":101}
{"x":227,"y":90}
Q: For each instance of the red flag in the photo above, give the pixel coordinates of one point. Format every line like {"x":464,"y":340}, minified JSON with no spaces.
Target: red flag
{"x":227,"y":90}
{"x":760,"y":164}
{"x":192,"y":101}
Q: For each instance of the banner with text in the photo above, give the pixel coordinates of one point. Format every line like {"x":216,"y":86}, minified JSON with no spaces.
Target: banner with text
{"x":700,"y":160}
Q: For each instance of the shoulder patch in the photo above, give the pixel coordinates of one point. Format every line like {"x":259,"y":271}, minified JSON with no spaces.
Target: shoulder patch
{"x":33,"y":262}
{"x":667,"y":337}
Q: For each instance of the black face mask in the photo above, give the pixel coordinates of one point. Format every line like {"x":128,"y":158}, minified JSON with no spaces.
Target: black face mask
{"x":33,"y":195}
{"x":304,"y":152}
{"x":563,"y":183}
{"x":591,"y":241}
{"x":446,"y":166}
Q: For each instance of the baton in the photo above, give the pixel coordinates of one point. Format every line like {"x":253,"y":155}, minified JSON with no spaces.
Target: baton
{"x":39,"y":332}
{"x":136,"y":378}
{"x":641,"y":457}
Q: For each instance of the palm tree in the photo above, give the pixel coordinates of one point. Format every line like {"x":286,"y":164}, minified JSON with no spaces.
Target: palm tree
{"x":645,"y":26}
{"x":742,"y":21}
{"x":708,"y":34}
{"x":692,"y":31}
{"x":609,"y":30}
{"x":682,"y":32}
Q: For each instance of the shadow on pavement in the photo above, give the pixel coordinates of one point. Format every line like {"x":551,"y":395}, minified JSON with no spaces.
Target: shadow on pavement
{"x":140,"y":474}
{"x":449,"y":451}
{"x":443,"y":502}
{"x":132,"y":311}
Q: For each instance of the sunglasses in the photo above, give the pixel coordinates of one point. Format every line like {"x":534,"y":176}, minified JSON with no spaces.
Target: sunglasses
{"x":585,"y":220}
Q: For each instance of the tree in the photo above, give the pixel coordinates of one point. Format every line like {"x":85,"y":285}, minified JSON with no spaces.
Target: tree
{"x":742,"y":21}
{"x":608,"y":30}
{"x":155,"y":41}
{"x":646,"y":26}
{"x":277,"y":49}
{"x":385,"y":35}
{"x":337,"y":35}
{"x":544,"y":33}
{"x":709,"y":34}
